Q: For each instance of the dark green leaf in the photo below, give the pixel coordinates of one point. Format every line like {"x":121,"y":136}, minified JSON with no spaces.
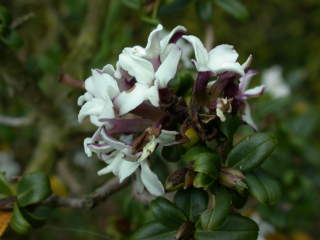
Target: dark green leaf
{"x":251,"y":152}
{"x":192,"y":153}
{"x":235,"y":227}
{"x":18,"y":223}
{"x":154,"y":231}
{"x":32,"y":218}
{"x":33,"y":188}
{"x":230,"y":126}
{"x":172,"y":154}
{"x":213,"y":218}
{"x":234,"y":7}
{"x":5,"y":189}
{"x":202,"y":180}
{"x":263,"y":187}
{"x":167,"y":213}
{"x":207,"y":163}
{"x":192,"y":201}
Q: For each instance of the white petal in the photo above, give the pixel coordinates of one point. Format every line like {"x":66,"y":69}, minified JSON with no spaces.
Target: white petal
{"x":109,"y":69}
{"x":150,"y":180}
{"x":200,"y":52}
{"x":93,"y":107}
{"x":223,"y":58}
{"x":129,"y":100}
{"x":165,"y":41}
{"x":247,"y":118}
{"x":148,"y":149}
{"x":247,"y":63}
{"x":167,"y":138}
{"x":84,"y":98}
{"x":114,"y":166}
{"x":254,"y":92}
{"x":127,"y":168}
{"x":153,"y":46}
{"x":113,"y":142}
{"x":87,"y":150}
{"x":246,"y":79}
{"x":137,"y":67}
{"x":168,"y":67}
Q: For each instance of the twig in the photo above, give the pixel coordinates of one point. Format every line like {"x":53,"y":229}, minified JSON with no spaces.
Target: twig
{"x":102,"y":193}
{"x":21,"y":20}
{"x":209,"y":36}
{"x":16,"y":121}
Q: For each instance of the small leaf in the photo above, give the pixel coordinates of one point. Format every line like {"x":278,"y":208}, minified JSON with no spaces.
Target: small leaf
{"x":235,"y":227}
{"x":230,"y":126}
{"x":207,"y":163}
{"x":154,"y":231}
{"x":5,"y":189}
{"x":192,"y":153}
{"x":167,"y":213}
{"x":251,"y":152}
{"x":202,"y":180}
{"x":234,"y":7}
{"x":213,"y":218}
{"x":263,"y":187}
{"x":5,"y":218}
{"x":192,"y":201}
{"x":18,"y":223}
{"x":33,"y":188}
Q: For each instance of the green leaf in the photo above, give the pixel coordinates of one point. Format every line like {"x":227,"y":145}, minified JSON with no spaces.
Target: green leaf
{"x":233,"y":7}
{"x":230,"y":126}
{"x":33,"y":188}
{"x":235,"y":227}
{"x":172,"y":154}
{"x":18,"y":223}
{"x":192,"y":201}
{"x":192,"y":153}
{"x":202,"y":180}
{"x":251,"y":152}
{"x":154,"y":231}
{"x":213,"y":218}
{"x":263,"y":187}
{"x":5,"y":189}
{"x":32,"y":218}
{"x":167,"y":213}
{"x":207,"y":163}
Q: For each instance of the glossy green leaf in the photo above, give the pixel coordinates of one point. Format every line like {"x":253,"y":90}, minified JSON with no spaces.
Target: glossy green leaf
{"x":18,"y":223}
{"x":251,"y":152}
{"x":213,"y":218}
{"x":235,"y":227}
{"x":230,"y":126}
{"x":233,"y":7}
{"x":207,"y":163}
{"x":154,"y":231}
{"x":202,"y":180}
{"x":172,"y":154}
{"x":263,"y":187}
{"x":192,"y":153}
{"x":5,"y":189}
{"x":33,"y":188}
{"x":192,"y":201}
{"x":167,"y":213}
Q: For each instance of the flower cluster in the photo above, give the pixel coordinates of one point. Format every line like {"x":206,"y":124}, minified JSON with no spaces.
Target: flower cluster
{"x":136,"y":112}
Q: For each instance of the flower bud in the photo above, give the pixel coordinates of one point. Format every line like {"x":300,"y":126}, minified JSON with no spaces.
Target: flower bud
{"x":232,"y":178}
{"x":182,"y":178}
{"x":192,"y":136}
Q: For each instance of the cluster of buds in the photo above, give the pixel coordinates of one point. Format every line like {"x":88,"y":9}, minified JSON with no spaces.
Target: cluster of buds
{"x":136,"y":112}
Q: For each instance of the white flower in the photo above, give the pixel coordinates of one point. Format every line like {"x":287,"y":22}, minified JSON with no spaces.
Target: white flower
{"x":121,"y":160}
{"x":244,"y":94}
{"x":97,"y":101}
{"x":220,"y":59}
{"x":272,"y":78}
{"x":151,"y":67}
{"x":223,"y":105}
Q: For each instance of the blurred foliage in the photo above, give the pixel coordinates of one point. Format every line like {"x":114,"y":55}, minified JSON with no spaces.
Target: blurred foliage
{"x":39,"y":40}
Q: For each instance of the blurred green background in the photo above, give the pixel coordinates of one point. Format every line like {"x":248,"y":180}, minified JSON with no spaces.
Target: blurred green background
{"x":47,"y":46}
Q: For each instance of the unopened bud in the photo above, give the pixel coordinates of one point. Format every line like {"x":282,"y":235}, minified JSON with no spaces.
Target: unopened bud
{"x":182,"y":178}
{"x":192,"y":136}
{"x":232,"y":178}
